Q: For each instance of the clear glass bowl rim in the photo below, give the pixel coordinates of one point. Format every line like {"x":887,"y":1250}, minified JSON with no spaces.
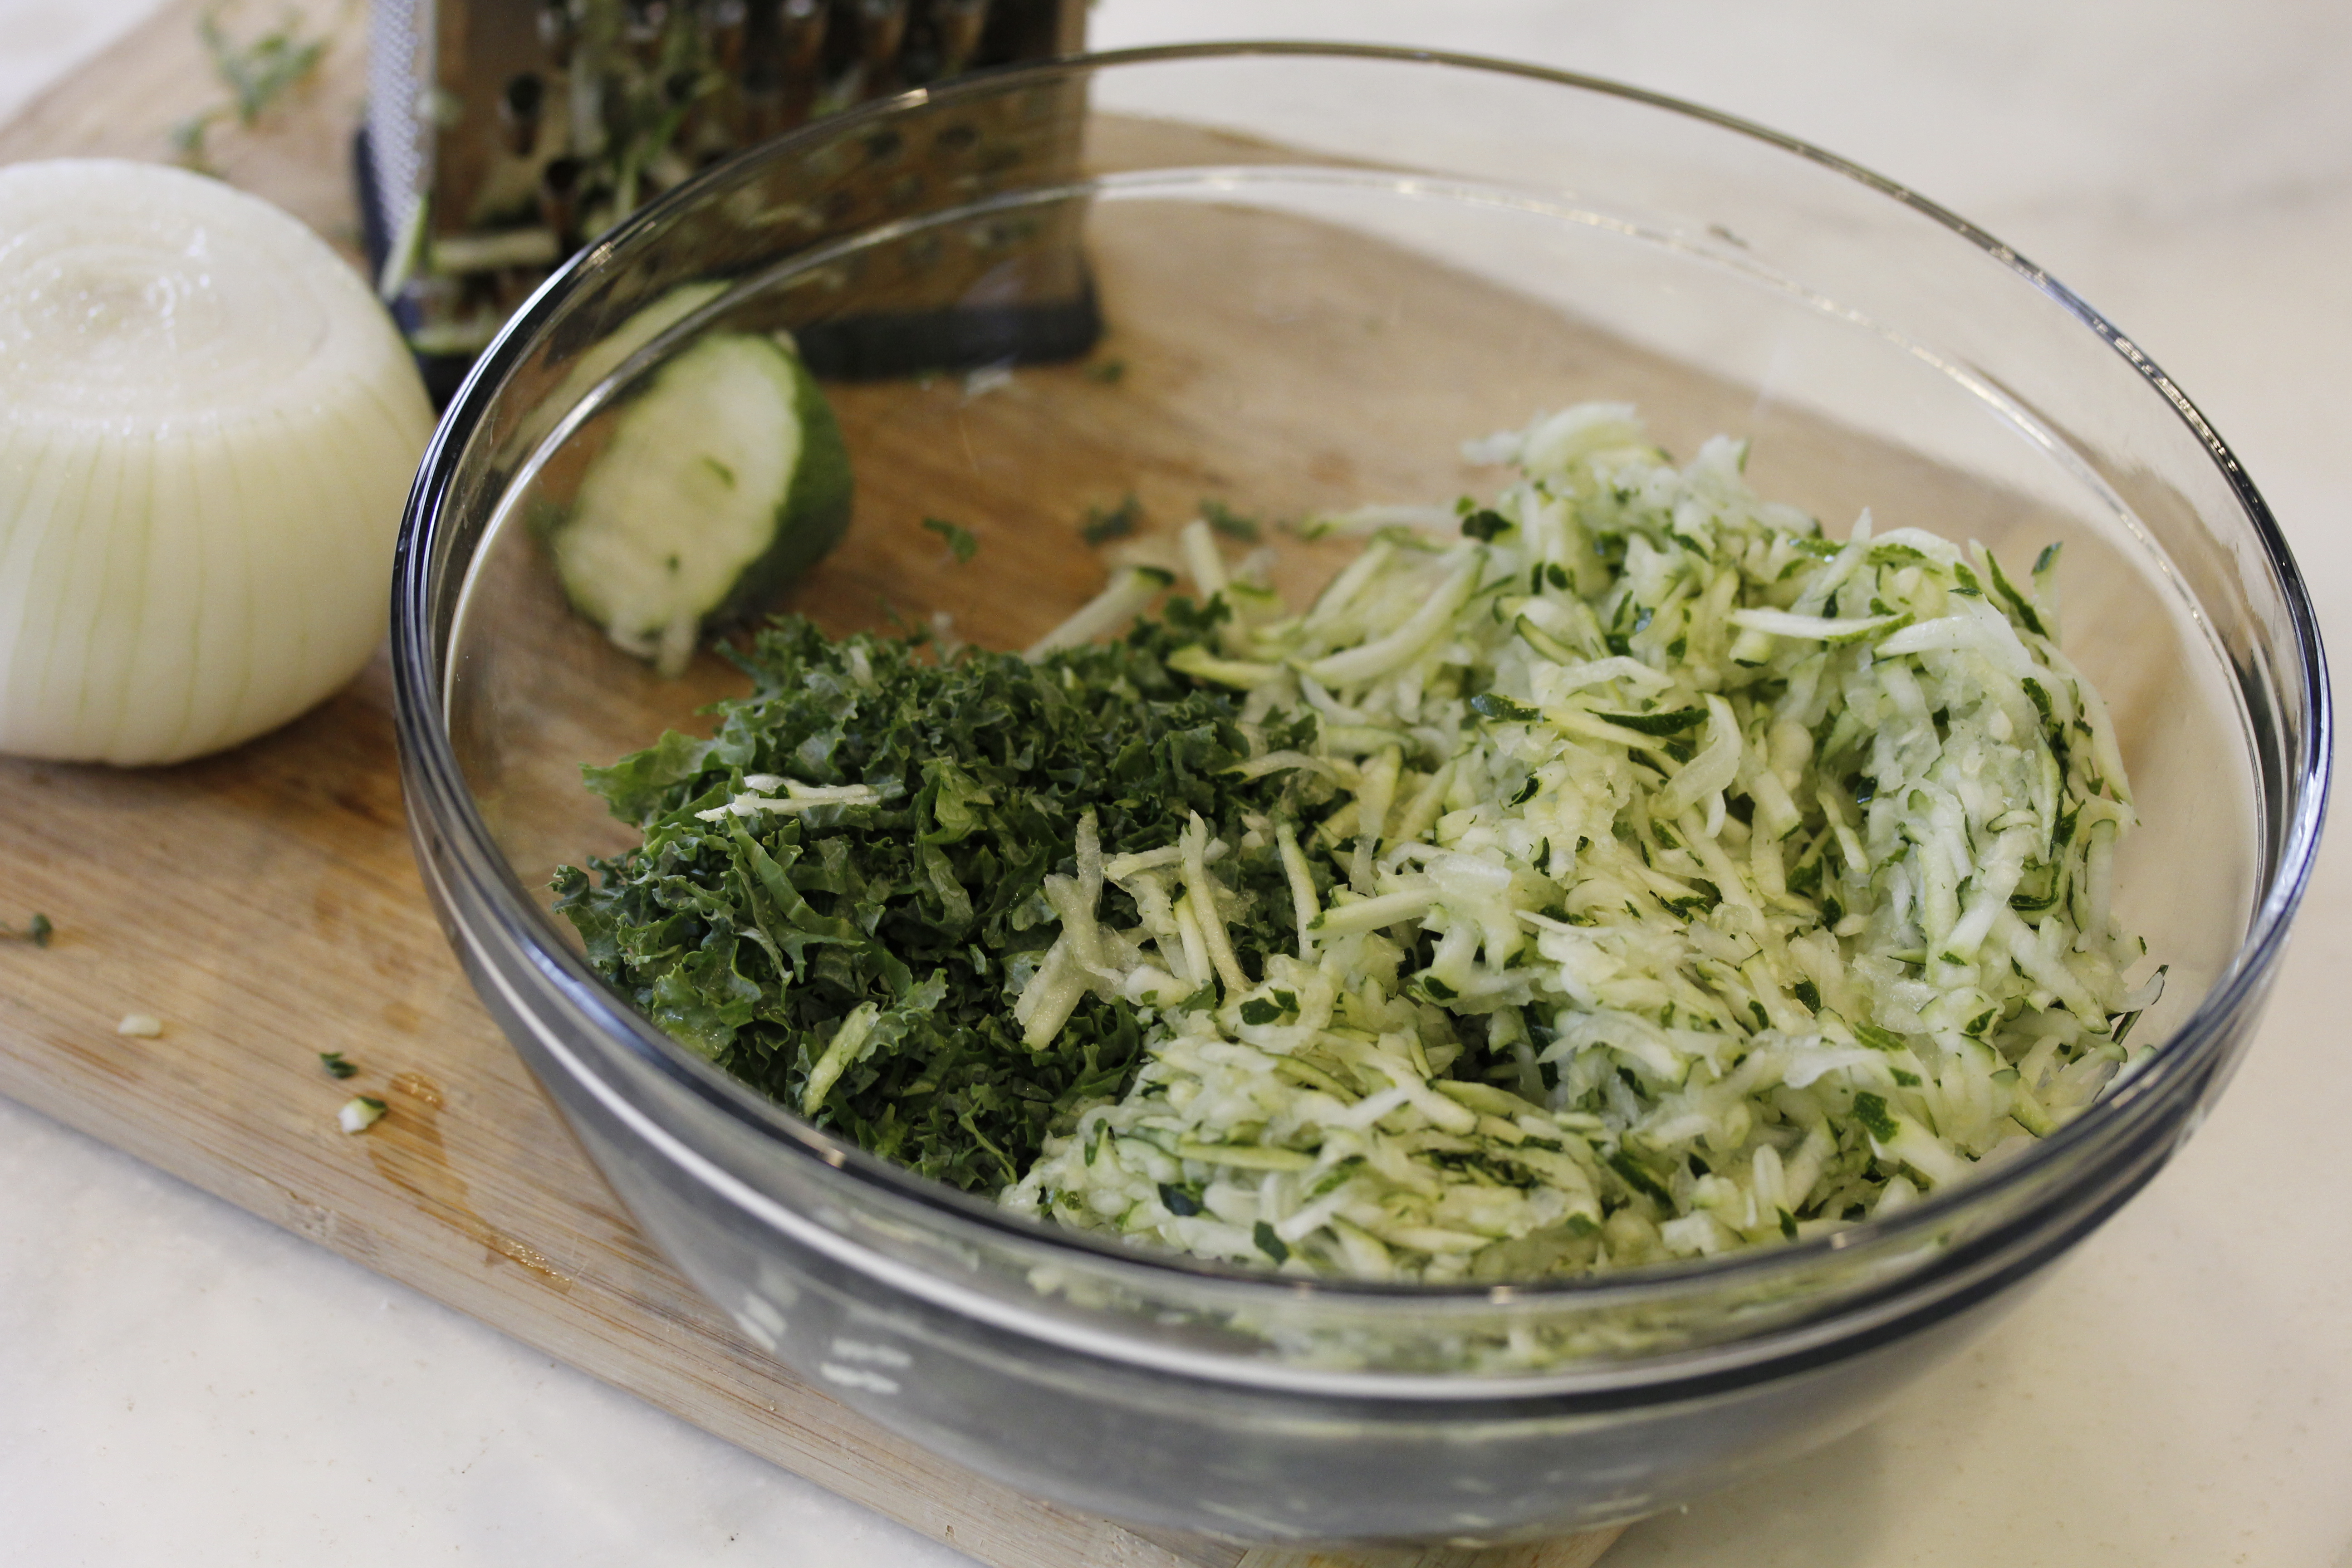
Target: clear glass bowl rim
{"x":2288,"y":847}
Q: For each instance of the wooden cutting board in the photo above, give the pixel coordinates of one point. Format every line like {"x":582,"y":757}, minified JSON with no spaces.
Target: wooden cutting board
{"x":264,"y":905}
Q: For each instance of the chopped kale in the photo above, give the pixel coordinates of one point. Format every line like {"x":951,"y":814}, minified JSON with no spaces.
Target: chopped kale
{"x":751,"y":939}
{"x":959,"y":538}
{"x":256,"y":74}
{"x":1101,"y":525}
{"x":38,"y":931}
{"x":1229,"y":522}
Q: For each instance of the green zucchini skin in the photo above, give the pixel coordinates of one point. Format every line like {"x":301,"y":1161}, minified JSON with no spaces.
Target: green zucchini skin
{"x":815,"y":515}
{"x":723,"y":481}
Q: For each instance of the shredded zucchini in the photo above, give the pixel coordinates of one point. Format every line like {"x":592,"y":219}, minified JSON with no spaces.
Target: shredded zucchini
{"x":1701,"y":882}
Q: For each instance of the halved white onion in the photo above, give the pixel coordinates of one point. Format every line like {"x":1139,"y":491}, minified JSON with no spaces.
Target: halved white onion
{"x":207,"y":427}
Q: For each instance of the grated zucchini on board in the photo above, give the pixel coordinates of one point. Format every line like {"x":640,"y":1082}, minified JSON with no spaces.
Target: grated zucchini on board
{"x":1665,"y":877}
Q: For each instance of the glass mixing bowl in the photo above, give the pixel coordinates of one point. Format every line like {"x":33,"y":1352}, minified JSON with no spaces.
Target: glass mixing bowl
{"x":1294,"y":278}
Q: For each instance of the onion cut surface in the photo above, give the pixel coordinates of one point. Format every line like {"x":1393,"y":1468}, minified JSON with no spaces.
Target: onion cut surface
{"x":207,"y":427}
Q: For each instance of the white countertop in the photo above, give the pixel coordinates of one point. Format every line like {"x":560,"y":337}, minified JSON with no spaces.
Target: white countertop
{"x":180,"y":1382}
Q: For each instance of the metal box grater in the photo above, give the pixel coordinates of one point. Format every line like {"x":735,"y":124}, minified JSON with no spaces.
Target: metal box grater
{"x":501,"y":133}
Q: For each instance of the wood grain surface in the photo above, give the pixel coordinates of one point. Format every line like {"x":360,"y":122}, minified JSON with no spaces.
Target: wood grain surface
{"x":265,"y":905}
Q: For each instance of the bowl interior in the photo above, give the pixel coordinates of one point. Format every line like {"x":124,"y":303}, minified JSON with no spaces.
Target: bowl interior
{"x":1293,"y":282}
{"x":1288,"y":335}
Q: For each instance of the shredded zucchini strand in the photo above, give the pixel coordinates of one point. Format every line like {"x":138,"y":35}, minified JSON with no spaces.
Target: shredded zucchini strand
{"x":1695,"y":881}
